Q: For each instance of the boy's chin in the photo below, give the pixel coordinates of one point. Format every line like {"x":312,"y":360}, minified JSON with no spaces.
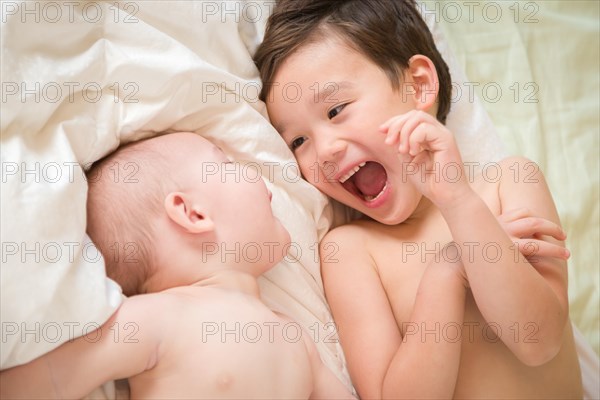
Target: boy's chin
{"x":390,"y":219}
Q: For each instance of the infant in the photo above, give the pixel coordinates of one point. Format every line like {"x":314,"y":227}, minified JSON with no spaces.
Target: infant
{"x":195,"y":326}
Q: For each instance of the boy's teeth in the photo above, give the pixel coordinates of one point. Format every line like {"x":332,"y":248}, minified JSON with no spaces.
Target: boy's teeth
{"x":351,"y":172}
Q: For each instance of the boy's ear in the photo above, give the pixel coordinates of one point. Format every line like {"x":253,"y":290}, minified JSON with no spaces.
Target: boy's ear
{"x":190,"y":216}
{"x":425,"y":81}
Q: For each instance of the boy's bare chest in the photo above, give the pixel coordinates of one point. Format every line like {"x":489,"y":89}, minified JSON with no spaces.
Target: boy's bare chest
{"x":404,"y":251}
{"x":402,"y":259}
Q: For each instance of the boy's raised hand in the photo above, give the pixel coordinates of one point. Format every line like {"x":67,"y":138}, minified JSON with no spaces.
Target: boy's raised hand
{"x":429,"y":150}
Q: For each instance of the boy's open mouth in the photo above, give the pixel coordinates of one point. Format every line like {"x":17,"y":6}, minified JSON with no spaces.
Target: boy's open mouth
{"x":366,"y":181}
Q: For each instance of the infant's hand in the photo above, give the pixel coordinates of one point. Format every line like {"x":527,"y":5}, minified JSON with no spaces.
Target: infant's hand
{"x":528,"y":233}
{"x":433,"y":162}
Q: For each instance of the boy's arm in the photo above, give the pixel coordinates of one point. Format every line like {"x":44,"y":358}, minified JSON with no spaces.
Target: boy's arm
{"x":526,"y":300}
{"x":124,"y":346}
{"x":520,"y":298}
{"x":382,"y":364}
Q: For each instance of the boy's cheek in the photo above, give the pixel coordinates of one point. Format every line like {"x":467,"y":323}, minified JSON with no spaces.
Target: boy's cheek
{"x":309,"y":170}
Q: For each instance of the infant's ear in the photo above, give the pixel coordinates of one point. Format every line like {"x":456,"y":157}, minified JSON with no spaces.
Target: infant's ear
{"x":190,"y":216}
{"x":425,"y":81}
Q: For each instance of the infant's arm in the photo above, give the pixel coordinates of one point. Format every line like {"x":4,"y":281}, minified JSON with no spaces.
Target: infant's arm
{"x":383,"y":363}
{"x":124,"y":346}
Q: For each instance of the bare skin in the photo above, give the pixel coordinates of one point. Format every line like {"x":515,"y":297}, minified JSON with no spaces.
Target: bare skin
{"x":208,"y":343}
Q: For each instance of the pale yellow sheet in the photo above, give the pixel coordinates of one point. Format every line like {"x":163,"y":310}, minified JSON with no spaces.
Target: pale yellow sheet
{"x":543,"y":56}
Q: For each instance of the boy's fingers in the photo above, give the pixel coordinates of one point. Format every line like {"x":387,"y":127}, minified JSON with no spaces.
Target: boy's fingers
{"x":393,"y":129}
{"x":386,"y":125}
{"x":532,"y":248}
{"x":530,"y":226}
{"x":417,"y":139}
{"x":407,"y":132}
{"x":397,"y":118}
{"x":393,"y":134}
{"x":392,"y":137}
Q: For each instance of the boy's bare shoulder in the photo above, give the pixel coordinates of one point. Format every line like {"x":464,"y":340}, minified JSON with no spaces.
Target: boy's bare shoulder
{"x":519,"y":169}
{"x":360,"y":229}
{"x":511,"y":169}
{"x":490,"y":180}
{"x":359,"y":238}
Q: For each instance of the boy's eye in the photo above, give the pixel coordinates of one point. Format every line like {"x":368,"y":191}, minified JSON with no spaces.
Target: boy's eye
{"x":297,"y":142}
{"x":335,"y":111}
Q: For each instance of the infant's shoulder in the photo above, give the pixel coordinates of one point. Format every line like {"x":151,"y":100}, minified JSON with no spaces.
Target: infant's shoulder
{"x":205,"y":301}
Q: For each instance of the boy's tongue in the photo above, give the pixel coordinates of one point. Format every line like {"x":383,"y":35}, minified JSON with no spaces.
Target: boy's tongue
{"x":370,"y":179}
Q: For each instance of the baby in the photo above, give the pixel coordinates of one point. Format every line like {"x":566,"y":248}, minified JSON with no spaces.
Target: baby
{"x":370,"y":93}
{"x":198,"y":328}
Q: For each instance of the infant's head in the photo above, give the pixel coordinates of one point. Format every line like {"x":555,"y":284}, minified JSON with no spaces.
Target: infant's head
{"x":165,"y":211}
{"x":126,"y":195}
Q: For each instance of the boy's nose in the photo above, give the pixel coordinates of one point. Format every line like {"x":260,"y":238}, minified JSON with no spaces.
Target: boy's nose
{"x":331,"y":150}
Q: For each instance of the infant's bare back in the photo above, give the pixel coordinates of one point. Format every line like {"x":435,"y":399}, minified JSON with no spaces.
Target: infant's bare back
{"x":225,"y":344}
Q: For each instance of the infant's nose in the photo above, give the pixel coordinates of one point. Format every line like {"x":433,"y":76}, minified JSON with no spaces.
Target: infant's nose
{"x":270,"y":195}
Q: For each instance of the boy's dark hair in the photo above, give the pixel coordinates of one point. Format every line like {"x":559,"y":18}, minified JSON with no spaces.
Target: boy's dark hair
{"x":388,"y":32}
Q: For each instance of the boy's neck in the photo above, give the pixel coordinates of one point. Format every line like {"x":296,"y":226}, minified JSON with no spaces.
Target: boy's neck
{"x":424,"y":210}
{"x":232,"y":280}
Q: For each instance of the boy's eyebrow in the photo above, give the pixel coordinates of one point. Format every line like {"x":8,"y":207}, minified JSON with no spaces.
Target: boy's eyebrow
{"x":330,"y":89}
{"x":322,"y":96}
